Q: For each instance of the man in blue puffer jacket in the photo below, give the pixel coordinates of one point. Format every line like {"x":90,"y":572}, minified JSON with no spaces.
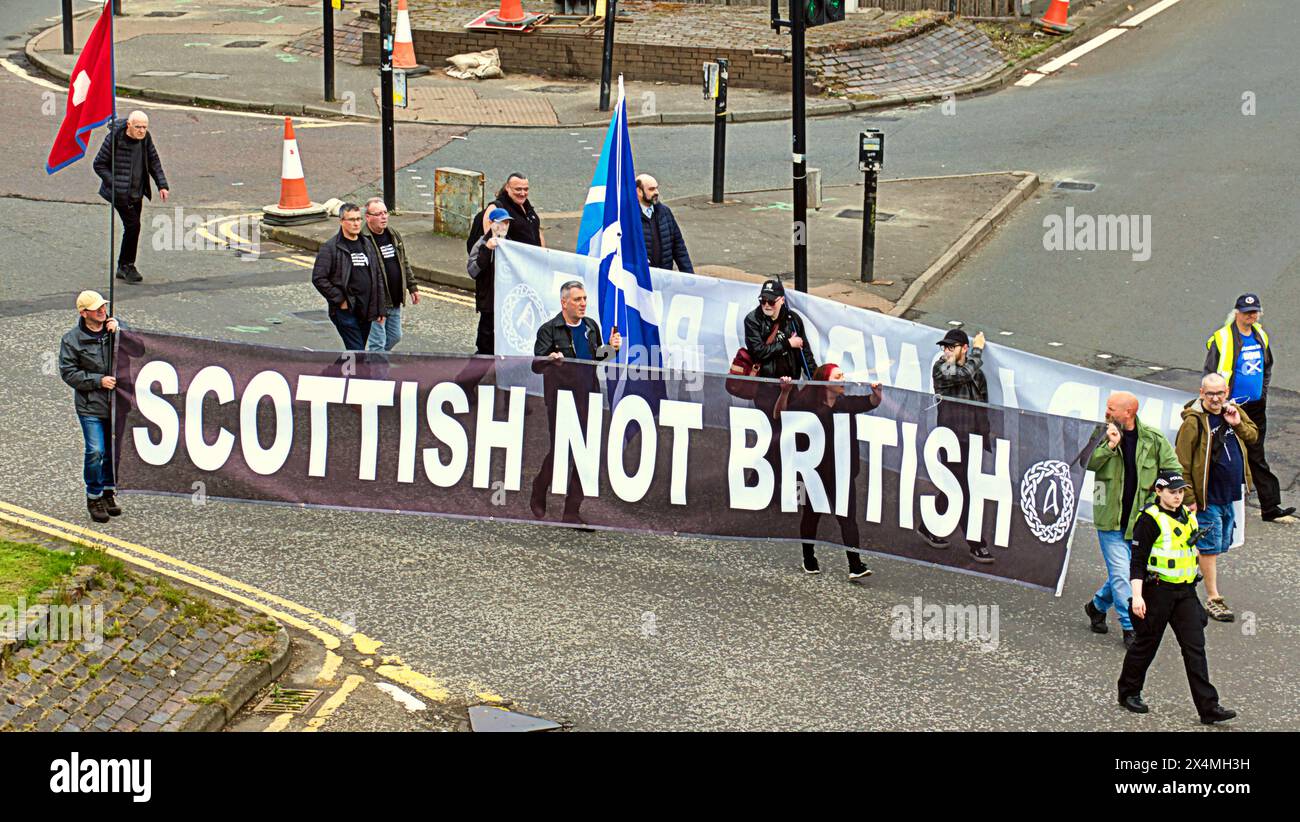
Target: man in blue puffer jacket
{"x":664,"y":244}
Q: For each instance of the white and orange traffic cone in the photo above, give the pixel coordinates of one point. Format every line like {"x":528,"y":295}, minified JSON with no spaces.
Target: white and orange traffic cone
{"x":404,"y":46}
{"x":1054,"y":20}
{"x":294,"y":206}
{"x":512,"y":15}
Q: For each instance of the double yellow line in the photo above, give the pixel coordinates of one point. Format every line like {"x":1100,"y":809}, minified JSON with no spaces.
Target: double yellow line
{"x":329,"y":631}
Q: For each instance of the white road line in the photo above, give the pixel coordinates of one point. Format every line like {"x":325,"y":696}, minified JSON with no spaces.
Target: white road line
{"x":1074,"y":54}
{"x":1141,"y":17}
{"x":1030,"y":79}
{"x":134,"y":102}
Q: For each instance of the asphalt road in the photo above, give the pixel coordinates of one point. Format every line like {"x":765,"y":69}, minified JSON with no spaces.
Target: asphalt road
{"x":619,"y":632}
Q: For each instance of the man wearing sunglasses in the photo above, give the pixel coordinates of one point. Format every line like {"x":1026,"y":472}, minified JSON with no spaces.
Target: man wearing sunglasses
{"x":776,"y":339}
{"x":1239,"y":352}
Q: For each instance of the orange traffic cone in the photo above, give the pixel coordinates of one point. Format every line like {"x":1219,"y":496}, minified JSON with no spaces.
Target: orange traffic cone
{"x":512,"y":15}
{"x":1055,"y":18}
{"x":403,"y":46}
{"x":294,"y":206}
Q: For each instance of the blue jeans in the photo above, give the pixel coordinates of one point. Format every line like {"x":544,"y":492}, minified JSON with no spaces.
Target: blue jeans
{"x":351,"y":329}
{"x":1218,"y":522}
{"x":384,"y":336}
{"x":99,"y":468}
{"x":1115,"y":591}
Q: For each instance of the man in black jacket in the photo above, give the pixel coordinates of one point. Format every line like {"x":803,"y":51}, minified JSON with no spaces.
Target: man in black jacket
{"x":571,"y":334}
{"x":664,"y":244}
{"x":788,"y":353}
{"x":482,"y":268}
{"x":124,"y":182}
{"x":347,"y":274}
{"x":85,"y":355}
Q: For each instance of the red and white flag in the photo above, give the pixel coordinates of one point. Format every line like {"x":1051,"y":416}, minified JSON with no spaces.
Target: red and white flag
{"x":91,"y":94}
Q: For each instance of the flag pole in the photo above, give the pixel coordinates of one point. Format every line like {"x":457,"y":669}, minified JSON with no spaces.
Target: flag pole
{"x":112,"y":241}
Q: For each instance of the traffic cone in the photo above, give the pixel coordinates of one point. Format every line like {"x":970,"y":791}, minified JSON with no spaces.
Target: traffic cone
{"x":512,"y":15}
{"x":403,"y":46}
{"x":1054,"y":20}
{"x":295,"y":206}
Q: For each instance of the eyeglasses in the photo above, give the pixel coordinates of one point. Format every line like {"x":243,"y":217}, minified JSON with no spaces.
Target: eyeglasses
{"x":376,"y":213}
{"x":767,"y":301}
{"x":947,"y":346}
{"x":1216,"y":393}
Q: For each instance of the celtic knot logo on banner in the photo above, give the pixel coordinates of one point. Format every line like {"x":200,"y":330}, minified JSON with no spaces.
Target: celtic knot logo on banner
{"x":524,"y":313}
{"x":1059,"y":498}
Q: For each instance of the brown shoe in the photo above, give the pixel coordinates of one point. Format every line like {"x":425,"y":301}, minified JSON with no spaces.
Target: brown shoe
{"x":1219,"y":611}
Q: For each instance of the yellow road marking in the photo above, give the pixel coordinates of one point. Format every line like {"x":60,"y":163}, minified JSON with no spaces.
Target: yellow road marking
{"x":405,"y":675}
{"x":278,"y":724}
{"x":329,"y":668}
{"x":334,"y":624}
{"x":335,"y":702}
{"x":365,"y":644}
{"x":445,"y":296}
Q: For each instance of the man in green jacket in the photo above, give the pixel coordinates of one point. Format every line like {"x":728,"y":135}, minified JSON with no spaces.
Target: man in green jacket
{"x":1125,"y":463}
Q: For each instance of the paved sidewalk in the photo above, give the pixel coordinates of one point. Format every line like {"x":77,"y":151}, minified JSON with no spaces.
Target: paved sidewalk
{"x":263,"y":55}
{"x":162,"y":659}
{"x":925,"y":226}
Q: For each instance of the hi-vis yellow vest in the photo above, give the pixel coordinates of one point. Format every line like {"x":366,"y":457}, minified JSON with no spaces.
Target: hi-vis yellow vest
{"x":1172,"y":559}
{"x":1227,"y":355}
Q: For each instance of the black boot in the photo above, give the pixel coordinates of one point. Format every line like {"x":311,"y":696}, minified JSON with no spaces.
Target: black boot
{"x":110,"y":504}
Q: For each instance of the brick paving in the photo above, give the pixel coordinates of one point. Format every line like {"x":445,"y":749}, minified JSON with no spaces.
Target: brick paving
{"x":348,"y":31}
{"x":941,"y":58}
{"x":159,"y":659}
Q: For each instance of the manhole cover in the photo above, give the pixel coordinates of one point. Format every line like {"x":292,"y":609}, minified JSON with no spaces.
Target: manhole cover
{"x":1072,"y":185}
{"x":287,"y":701}
{"x":856,"y":214}
{"x":313,"y":316}
{"x":556,"y":89}
{"x":245,"y":44}
{"x":165,"y":14}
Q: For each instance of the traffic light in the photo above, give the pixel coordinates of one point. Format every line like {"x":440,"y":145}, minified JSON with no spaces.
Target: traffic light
{"x":818,"y":12}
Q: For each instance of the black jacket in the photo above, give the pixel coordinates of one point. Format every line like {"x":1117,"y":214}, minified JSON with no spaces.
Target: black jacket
{"x":83,"y":362}
{"x":965,"y":382}
{"x":333,"y":271}
{"x":482,"y":268}
{"x":104,"y":166}
{"x":779,"y":359}
{"x":554,"y":335}
{"x":408,"y":280}
{"x":664,"y":244}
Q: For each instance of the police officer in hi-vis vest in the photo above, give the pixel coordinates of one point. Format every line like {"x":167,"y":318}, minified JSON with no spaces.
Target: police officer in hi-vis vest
{"x":1163,"y":572}
{"x":1240,"y":353}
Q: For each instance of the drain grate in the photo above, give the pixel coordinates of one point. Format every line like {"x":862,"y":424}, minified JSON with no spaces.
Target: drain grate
{"x":287,"y":701}
{"x":1074,"y":185}
{"x":165,"y":14}
{"x":856,"y":214}
{"x":556,"y":89}
{"x":313,"y":316}
{"x":245,"y":44}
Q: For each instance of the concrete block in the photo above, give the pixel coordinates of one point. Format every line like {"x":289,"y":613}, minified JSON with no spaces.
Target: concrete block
{"x":458,"y":194}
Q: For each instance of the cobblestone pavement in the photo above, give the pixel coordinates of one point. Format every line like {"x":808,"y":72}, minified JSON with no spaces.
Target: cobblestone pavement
{"x":348,"y":29}
{"x":940,"y":58}
{"x":158,"y":656}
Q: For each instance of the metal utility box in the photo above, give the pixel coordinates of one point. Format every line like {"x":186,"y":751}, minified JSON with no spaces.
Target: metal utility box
{"x":458,"y":195}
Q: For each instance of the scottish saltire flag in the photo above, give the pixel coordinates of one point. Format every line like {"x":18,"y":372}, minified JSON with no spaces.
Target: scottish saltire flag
{"x":91,"y":94}
{"x":593,"y":211}
{"x":625,"y":293}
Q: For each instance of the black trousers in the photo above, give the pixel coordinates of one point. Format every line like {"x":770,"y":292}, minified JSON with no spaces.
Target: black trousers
{"x":485,"y":342}
{"x":129,"y":211}
{"x":808,"y":520}
{"x":1263,"y":478}
{"x":1179,"y":607}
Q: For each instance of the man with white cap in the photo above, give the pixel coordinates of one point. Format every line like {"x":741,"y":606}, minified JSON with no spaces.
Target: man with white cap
{"x":85,"y":364}
{"x":1240,"y":353}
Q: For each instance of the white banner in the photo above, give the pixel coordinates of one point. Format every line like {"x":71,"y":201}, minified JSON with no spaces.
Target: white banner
{"x":703,"y":326}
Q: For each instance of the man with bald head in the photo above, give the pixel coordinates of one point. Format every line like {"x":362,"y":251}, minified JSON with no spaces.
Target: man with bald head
{"x":125,"y":163}
{"x":1126,"y":464}
{"x":1213,"y":447}
{"x":664,"y":244}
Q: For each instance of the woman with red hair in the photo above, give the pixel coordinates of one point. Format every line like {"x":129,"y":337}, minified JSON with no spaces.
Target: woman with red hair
{"x":826,"y":397}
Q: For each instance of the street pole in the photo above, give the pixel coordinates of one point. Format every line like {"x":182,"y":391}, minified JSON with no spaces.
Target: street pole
{"x":800,"y":147}
{"x":720,"y":132}
{"x":327,"y":13}
{"x":67,"y":26}
{"x":868,"y":272}
{"x":607,"y":55}
{"x":117,"y":8}
{"x":386,"y":101}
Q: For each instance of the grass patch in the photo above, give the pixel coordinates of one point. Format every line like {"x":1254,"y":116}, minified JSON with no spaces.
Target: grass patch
{"x":110,"y":565}
{"x":113,"y":630}
{"x":1017,"y":41}
{"x":261,"y":654}
{"x":265,"y":624}
{"x":27,"y":570}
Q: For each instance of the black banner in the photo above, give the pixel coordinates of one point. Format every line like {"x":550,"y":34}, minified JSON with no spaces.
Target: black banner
{"x":539,"y":440}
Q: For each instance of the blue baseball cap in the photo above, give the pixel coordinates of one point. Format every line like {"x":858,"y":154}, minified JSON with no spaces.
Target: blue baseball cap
{"x":496,"y":215}
{"x":1248,"y":302}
